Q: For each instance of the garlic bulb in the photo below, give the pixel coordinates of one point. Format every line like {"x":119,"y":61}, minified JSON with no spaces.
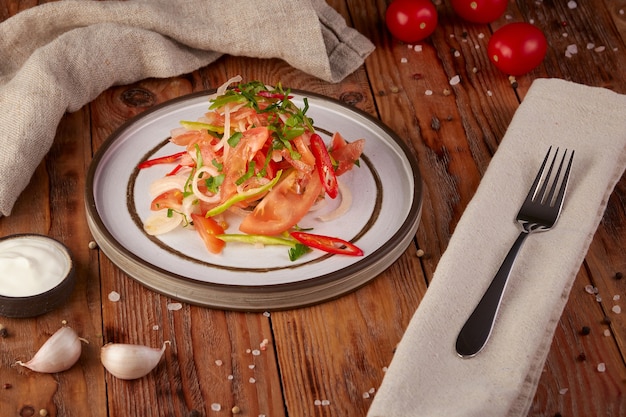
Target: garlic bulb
{"x":126,"y":361}
{"x":60,"y":352}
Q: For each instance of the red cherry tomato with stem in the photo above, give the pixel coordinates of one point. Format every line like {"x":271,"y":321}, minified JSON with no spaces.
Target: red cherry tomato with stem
{"x":517,"y":48}
{"x":479,"y":11}
{"x":411,"y":20}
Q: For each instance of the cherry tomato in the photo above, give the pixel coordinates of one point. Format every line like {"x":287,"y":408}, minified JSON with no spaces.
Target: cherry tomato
{"x":411,"y":20}
{"x":517,"y":48}
{"x":284,"y":206}
{"x":479,"y":11}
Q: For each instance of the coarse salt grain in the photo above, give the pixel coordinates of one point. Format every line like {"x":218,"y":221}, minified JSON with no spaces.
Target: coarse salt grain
{"x":616,"y":297}
{"x":256,"y":352}
{"x":591,"y":45}
{"x":418,"y":48}
{"x":251,"y":380}
{"x":366,"y":395}
{"x":317,"y":402}
{"x":600,"y":49}
{"x":219,"y":362}
{"x":455,"y":80}
{"x":325,"y":402}
{"x":457,"y":54}
{"x":155,"y":327}
{"x":114,"y":296}
{"x":428,"y":92}
{"x":489,"y":93}
{"x":601,"y":367}
{"x":404,"y":60}
{"x":266,"y":314}
{"x":174,"y":306}
{"x":607,"y":332}
{"x":591,"y":289}
{"x":616,"y":309}
{"x":572,"y":4}
{"x":563,"y":391}
{"x":230,"y":377}
{"x":481,"y":35}
{"x":216,"y":407}
{"x":251,"y":366}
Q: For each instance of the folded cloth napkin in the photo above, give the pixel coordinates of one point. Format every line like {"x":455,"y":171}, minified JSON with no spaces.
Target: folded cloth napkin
{"x":426,"y":377}
{"x":59,"y":56}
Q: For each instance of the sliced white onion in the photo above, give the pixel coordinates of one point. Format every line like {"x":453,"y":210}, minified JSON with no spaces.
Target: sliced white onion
{"x":167,"y":183}
{"x":222,"y":88}
{"x":194,"y":184}
{"x":344,"y":206}
{"x":162,"y":221}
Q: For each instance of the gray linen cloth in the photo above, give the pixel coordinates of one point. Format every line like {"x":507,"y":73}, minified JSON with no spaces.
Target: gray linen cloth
{"x":57,"y":57}
{"x":426,"y":377}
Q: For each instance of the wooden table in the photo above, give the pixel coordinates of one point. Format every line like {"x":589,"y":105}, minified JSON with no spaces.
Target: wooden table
{"x":326,"y":360}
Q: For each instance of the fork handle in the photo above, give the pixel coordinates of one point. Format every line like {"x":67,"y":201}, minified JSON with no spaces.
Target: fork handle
{"x":477,"y":329}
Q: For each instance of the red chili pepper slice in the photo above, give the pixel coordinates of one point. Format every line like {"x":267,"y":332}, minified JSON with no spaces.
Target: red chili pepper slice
{"x":161,"y":160}
{"x":325,"y":166}
{"x":327,"y":243}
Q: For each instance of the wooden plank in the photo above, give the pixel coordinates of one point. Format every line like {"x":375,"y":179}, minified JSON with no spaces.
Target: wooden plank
{"x":55,"y":191}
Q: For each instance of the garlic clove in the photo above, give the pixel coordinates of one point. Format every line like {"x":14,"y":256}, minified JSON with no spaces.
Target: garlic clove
{"x":127,"y":361}
{"x":59,"y":353}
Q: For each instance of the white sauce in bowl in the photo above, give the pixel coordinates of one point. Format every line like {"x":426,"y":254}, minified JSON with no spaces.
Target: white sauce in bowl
{"x":31,"y":265}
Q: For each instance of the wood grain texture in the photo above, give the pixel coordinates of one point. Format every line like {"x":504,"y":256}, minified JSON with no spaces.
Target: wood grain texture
{"x":328,"y":359}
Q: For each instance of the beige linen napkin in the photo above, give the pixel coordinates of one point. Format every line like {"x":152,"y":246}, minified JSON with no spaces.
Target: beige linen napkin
{"x":59,"y":56}
{"x":426,"y":378}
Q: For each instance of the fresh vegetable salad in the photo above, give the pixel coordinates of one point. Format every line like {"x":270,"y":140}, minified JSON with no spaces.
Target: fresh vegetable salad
{"x":253,"y":154}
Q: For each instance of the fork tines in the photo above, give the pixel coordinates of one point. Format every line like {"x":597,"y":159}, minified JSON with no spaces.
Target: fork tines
{"x":540,"y":185}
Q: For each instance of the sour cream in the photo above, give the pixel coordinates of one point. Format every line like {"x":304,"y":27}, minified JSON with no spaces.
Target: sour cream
{"x":31,"y":265}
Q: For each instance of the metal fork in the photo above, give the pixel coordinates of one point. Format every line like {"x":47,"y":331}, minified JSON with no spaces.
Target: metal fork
{"x":539,"y":213}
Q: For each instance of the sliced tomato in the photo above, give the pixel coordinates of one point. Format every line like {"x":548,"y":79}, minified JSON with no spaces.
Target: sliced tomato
{"x":208,"y":229}
{"x":327,"y":243}
{"x":284,"y":206}
{"x":172,"y":199}
{"x":168,"y":159}
{"x":236,"y":163}
{"x":345,"y":154}
{"x":324,"y":166}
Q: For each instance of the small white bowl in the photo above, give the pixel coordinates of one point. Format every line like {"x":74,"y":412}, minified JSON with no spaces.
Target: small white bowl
{"x":36,"y":275}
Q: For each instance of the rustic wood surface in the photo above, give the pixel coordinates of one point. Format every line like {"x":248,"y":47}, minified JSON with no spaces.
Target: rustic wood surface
{"x":326,"y":360}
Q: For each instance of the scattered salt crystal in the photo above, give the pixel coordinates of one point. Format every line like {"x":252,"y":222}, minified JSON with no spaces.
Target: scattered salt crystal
{"x":616,"y":309}
{"x":174,"y":306}
{"x":477,"y":46}
{"x":616,"y":297}
{"x":598,"y":298}
{"x":572,"y":4}
{"x":600,"y":49}
{"x":256,"y":352}
{"x":404,"y":60}
{"x":230,"y":377}
{"x":601,"y":367}
{"x":366,"y":395}
{"x":531,"y":21}
{"x":248,"y":350}
{"x":251,"y":366}
{"x":372,"y":390}
{"x":428,"y":92}
{"x":410,"y":46}
{"x":565,"y":34}
{"x":563,"y":391}
{"x":317,"y":402}
{"x":216,"y":407}
{"x":573,"y":48}
{"x":219,"y":362}
{"x":621,"y":12}
{"x":489,"y":93}
{"x":325,"y":402}
{"x":457,"y":54}
{"x":266,"y":314}
{"x":252,"y":380}
{"x":508,"y":17}
{"x":590,"y":289}
{"x":385,"y":369}
{"x":418,"y":48}
{"x":455,"y":80}
{"x":114,"y":296}
{"x":155,"y":327}
{"x":607,"y":332}
{"x":481,"y":35}
{"x":591,"y":45}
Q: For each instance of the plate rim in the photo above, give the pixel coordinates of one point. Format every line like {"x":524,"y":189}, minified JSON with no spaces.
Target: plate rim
{"x":371,"y":265}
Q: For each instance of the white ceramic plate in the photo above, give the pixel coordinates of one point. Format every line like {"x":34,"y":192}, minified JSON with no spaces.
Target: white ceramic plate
{"x":382,"y":220}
